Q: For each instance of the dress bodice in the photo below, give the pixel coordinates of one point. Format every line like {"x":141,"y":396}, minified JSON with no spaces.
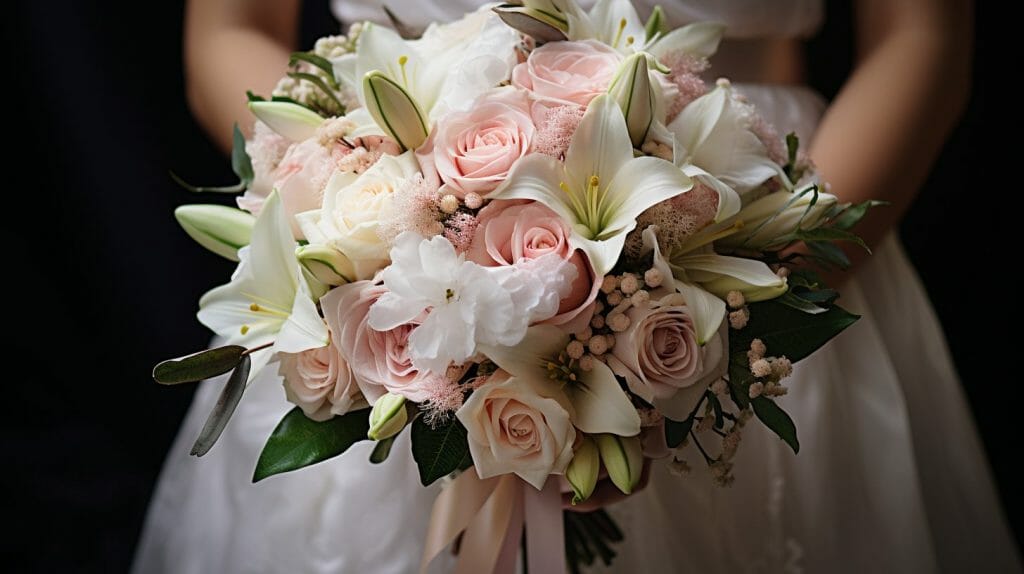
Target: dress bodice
{"x":743,"y":18}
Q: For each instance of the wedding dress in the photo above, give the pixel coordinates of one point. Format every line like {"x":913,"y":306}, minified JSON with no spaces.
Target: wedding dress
{"x":891,"y":476}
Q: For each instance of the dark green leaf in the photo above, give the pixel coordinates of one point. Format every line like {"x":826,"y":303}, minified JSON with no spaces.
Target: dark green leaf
{"x":225,"y":407}
{"x":787,"y":331}
{"x":381,"y":450}
{"x":675,"y":431}
{"x":776,"y":419}
{"x":852,"y":216}
{"x":820,"y":296}
{"x":318,"y":61}
{"x":789,"y":299}
{"x":254,"y":97}
{"x":240,"y":162}
{"x":740,"y":377}
{"x":717,"y":407}
{"x":805,"y":278}
{"x":438,"y":450}
{"x":829,"y":253}
{"x":299,"y":441}
{"x":198,"y":366}
{"x":792,"y":146}
{"x":237,"y":188}
{"x":830,"y":234}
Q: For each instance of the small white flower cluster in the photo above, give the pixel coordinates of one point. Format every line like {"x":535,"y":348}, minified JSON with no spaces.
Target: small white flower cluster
{"x":311,"y":95}
{"x":769,"y":370}
{"x":739,"y":313}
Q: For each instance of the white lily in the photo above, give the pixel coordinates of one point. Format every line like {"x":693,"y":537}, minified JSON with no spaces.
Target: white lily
{"x":221,"y":229}
{"x":616,"y":23}
{"x":267,"y":301}
{"x":769,"y":222}
{"x":713,"y":133}
{"x":601,"y":188}
{"x":599,"y":403}
{"x":444,"y":70}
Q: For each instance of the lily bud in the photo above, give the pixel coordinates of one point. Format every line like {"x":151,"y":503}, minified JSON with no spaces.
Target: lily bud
{"x":223,"y":230}
{"x":583,"y":469}
{"x":623,"y":458}
{"x":395,"y":110}
{"x":289,"y":120}
{"x":388,"y":417}
{"x":634,"y":92}
{"x":656,"y":24}
{"x":769,"y":222}
{"x":751,"y":292}
{"x":543,"y":20}
{"x":328,"y":265}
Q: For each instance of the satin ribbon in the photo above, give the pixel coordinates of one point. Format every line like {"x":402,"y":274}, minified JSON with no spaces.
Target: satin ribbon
{"x":490,"y":514}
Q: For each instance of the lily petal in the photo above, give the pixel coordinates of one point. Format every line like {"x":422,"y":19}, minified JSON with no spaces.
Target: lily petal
{"x":639,"y":184}
{"x":707,"y":310}
{"x":617,"y":24}
{"x":698,"y":39}
{"x":600,"y":146}
{"x":729,"y":202}
{"x":304,"y":329}
{"x":529,"y":358}
{"x":536,"y":177}
{"x":289,"y":120}
{"x":601,"y":405}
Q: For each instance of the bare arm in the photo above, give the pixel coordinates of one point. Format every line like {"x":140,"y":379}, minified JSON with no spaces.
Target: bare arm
{"x":232,"y":46}
{"x":881,"y":135}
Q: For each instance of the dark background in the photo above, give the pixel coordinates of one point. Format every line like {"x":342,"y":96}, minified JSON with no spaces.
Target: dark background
{"x":104,"y":284}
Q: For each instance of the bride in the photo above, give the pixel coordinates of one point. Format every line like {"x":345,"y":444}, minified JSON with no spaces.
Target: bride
{"x":891,"y":476}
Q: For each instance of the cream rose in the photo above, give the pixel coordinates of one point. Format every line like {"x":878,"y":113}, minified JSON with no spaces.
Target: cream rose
{"x":475,"y":149}
{"x":568,"y":72}
{"x":659,"y":356}
{"x":516,"y":426}
{"x":353,"y":207}
{"x":320,"y":382}
{"x":379,"y":360}
{"x":511,"y":231}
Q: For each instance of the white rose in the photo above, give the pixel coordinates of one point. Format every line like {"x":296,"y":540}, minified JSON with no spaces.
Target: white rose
{"x":353,"y":208}
{"x":516,"y":426}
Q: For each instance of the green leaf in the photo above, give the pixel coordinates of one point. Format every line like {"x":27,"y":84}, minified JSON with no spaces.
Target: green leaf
{"x":793,"y":301}
{"x":225,"y":407}
{"x":438,"y":450}
{"x":318,"y":61}
{"x":381,"y":450}
{"x":852,"y":215}
{"x":717,"y":407}
{"x":830,"y":234}
{"x":792,"y":146}
{"x":675,"y":431}
{"x":829,"y":254}
{"x":240,"y":162}
{"x":776,"y":419}
{"x":786,"y":331}
{"x":198,"y":366}
{"x":740,"y":377}
{"x":319,"y":83}
{"x":252,"y":97}
{"x":299,"y":441}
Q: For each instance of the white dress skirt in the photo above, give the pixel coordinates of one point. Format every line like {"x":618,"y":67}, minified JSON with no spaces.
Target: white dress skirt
{"x":891,"y":475}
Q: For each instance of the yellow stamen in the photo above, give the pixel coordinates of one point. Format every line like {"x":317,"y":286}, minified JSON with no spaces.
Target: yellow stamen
{"x":255,"y":308}
{"x":618,"y":35}
{"x":402,"y":61}
{"x":245,"y":329}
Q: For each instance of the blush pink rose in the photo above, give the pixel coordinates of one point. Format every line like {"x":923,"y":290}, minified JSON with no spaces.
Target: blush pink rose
{"x":509,"y":232}
{"x":658,"y":354}
{"x":379,"y":360}
{"x":567,"y":72}
{"x":516,"y":426}
{"x":474,"y":150}
{"x":320,"y":382}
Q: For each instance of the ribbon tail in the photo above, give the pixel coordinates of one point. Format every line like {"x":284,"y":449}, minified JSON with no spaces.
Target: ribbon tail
{"x":454,"y":509}
{"x":545,"y":536}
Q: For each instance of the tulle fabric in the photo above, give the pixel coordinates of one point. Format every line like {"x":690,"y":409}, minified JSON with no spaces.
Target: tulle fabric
{"x":891,"y":476}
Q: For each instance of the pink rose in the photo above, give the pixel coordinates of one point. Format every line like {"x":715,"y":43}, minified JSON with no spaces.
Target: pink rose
{"x":509,"y":232}
{"x":379,"y":359}
{"x":516,"y":426}
{"x":320,"y":382}
{"x":474,"y":150}
{"x":568,"y":72}
{"x":658,"y":354}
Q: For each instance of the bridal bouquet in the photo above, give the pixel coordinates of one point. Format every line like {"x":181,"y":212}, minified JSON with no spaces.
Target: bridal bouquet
{"x":534,"y":236}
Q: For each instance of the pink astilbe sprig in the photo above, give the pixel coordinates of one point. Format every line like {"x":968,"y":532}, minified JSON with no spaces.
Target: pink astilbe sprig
{"x":685,"y":79}
{"x":676,"y":218}
{"x":555,"y":129}
{"x":460,"y":229}
{"x":766,"y":132}
{"x":415,"y":208}
{"x":444,"y":397}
